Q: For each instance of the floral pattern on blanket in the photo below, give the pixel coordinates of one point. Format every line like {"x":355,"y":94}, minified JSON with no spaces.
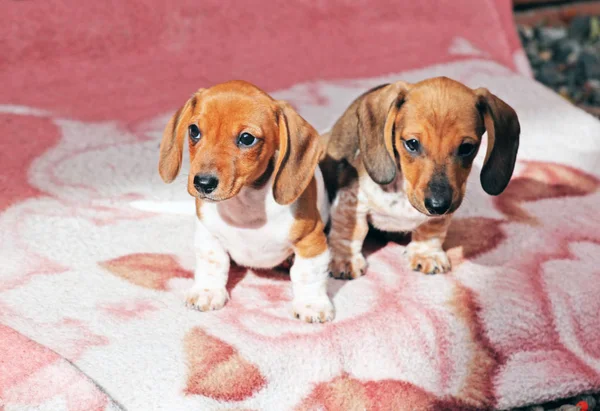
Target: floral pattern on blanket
{"x":99,"y":255}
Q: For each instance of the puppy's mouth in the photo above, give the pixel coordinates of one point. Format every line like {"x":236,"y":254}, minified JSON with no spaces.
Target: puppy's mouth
{"x":221,"y":194}
{"x":210,"y":198}
{"x":214,"y":197}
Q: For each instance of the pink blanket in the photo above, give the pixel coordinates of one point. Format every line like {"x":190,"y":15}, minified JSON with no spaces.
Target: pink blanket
{"x":97,"y":253}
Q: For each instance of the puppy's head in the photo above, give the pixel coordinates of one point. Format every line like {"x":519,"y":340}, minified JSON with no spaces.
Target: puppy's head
{"x":239,"y":136}
{"x":432,"y":130}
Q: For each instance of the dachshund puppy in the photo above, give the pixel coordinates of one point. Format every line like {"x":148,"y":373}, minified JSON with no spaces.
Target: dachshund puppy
{"x":403,"y":153}
{"x":259,"y":193}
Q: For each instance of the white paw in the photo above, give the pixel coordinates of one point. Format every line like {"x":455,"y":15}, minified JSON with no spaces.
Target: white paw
{"x":318,"y":310}
{"x":207,"y":299}
{"x":427,"y":260}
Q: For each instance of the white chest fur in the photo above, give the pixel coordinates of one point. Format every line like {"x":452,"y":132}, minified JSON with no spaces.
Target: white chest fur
{"x":389,"y":210}
{"x":253,"y":228}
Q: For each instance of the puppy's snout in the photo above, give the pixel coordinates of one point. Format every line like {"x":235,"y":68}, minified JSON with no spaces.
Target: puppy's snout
{"x":438,"y":199}
{"x":205,"y":183}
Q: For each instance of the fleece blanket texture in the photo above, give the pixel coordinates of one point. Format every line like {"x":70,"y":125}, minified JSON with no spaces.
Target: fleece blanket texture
{"x":96,"y":252}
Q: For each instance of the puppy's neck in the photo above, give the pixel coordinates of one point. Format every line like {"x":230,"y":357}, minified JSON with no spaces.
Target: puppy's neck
{"x":248,"y":209}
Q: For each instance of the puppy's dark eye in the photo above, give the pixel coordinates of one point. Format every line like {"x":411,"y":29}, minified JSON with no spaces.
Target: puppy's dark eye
{"x":194,"y":132}
{"x":412,"y":145}
{"x":246,"y":140}
{"x":465,"y":149}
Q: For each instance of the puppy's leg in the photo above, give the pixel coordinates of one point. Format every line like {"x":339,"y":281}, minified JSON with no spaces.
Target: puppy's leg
{"x":425,"y":253}
{"x":309,"y":275}
{"x":349,"y":227}
{"x":212,"y":269}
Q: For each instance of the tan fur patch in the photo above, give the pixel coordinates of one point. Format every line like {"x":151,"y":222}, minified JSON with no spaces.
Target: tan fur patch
{"x":432,"y":228}
{"x":307,"y":233}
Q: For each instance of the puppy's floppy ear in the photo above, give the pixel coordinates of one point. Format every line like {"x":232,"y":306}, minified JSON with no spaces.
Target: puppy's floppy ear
{"x":171,"y":146}
{"x":377,"y":113}
{"x":300,"y":148}
{"x":503,"y":129}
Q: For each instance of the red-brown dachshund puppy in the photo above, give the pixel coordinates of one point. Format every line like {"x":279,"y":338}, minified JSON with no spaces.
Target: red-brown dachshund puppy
{"x":405,"y":151}
{"x":259,"y":193}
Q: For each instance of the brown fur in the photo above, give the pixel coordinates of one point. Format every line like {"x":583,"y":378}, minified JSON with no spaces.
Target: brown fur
{"x":307,"y":233}
{"x":299,"y":153}
{"x":432,"y":228}
{"x":349,"y":228}
{"x":441,"y":114}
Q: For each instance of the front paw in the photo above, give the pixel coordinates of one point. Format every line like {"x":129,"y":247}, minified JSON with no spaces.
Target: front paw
{"x":207,"y":299}
{"x":348,"y":268}
{"x":428,"y":261}
{"x":318,"y":310}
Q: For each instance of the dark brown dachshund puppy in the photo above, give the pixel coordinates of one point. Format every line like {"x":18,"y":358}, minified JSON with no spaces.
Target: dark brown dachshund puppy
{"x":405,"y":152}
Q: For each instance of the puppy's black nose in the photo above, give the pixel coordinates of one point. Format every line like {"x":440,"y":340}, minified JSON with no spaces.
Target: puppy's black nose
{"x":205,"y":183}
{"x":437,"y":205}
